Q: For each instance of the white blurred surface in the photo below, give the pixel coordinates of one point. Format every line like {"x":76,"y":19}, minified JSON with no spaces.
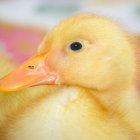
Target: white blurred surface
{"x":34,"y":12}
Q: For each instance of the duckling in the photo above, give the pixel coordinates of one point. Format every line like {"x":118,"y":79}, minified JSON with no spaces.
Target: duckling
{"x":90,"y":65}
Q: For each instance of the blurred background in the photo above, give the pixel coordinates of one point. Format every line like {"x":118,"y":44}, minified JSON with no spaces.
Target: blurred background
{"x":23,"y":23}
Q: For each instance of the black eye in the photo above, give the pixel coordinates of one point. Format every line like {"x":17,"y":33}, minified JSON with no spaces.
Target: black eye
{"x":75,"y":46}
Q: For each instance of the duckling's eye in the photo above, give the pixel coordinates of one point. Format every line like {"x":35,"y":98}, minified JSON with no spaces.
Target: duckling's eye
{"x":75,"y":46}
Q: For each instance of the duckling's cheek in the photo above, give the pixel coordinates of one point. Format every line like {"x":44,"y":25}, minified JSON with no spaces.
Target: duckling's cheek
{"x":57,"y":60}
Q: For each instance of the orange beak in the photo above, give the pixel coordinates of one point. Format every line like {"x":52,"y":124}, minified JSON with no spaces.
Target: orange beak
{"x":33,"y":72}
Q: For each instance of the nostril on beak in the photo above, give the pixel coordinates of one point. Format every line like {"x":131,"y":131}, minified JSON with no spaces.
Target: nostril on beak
{"x":31,"y":67}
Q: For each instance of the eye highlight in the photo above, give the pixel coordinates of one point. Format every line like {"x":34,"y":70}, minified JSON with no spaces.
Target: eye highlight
{"x":75,"y":46}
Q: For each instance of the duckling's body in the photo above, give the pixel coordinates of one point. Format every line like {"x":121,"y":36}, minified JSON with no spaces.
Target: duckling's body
{"x":69,"y":114}
{"x":93,"y":61}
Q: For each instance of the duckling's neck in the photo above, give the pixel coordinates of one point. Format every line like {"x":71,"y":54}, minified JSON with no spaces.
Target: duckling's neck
{"x":113,"y":97}
{"x":124,"y":102}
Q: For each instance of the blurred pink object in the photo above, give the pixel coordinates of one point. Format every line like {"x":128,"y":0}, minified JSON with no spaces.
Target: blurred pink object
{"x":19,"y":43}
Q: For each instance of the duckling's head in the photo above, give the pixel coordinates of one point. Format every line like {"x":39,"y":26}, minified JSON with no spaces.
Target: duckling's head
{"x":84,"y":50}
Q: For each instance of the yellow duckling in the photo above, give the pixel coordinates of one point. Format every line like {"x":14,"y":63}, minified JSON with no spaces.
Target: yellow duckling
{"x":91,"y":62}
